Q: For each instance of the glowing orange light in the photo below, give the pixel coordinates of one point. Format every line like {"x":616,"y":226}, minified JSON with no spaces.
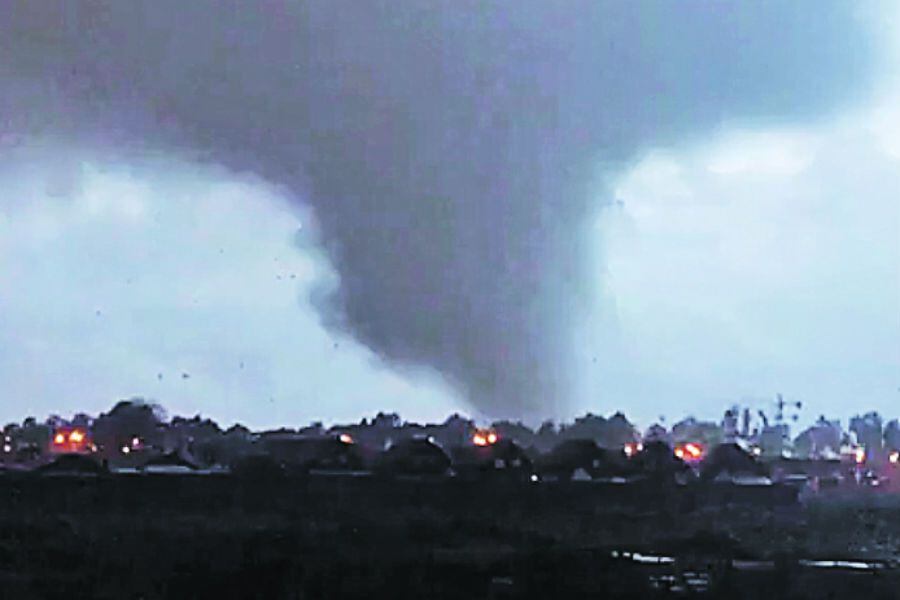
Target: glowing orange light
{"x":859,"y":456}
{"x":485,"y":437}
{"x":689,"y":451}
{"x":632,"y":448}
{"x":346,"y":438}
{"x":76,"y":436}
{"x":59,"y":439}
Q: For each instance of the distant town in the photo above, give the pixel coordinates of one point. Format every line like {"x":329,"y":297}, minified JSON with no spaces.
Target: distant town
{"x":744,"y":448}
{"x":735,"y":508}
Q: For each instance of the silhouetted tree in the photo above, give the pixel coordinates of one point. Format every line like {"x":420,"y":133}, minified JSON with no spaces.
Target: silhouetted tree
{"x":617,"y":432}
{"x":822,"y":437}
{"x":546,"y":436}
{"x":516,"y":431}
{"x":892,"y":435}
{"x":588,"y":427}
{"x":82,"y":420}
{"x":127,"y":420}
{"x":691,"y":430}
{"x":868,"y":430}
{"x":34,"y":433}
{"x":224,"y":449}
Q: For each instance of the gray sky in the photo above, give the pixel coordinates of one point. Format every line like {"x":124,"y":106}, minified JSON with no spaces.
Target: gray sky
{"x":325,"y":209}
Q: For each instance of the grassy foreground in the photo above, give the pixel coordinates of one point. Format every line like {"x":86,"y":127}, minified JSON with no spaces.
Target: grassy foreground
{"x":319,"y":537}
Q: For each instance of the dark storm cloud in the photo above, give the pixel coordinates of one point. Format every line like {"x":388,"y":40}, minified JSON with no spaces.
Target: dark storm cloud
{"x":449,"y":148}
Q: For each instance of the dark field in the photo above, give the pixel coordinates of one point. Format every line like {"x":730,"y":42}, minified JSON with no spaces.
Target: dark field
{"x":361,"y":537}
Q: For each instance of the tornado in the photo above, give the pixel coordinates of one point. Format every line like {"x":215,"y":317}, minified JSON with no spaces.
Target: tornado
{"x":454,"y":153}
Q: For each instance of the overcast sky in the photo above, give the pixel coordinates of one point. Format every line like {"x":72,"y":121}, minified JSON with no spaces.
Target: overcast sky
{"x":654,"y":209}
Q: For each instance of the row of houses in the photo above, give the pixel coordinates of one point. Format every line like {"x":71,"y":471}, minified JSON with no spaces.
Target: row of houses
{"x":484,"y":455}
{"x":133,"y":437}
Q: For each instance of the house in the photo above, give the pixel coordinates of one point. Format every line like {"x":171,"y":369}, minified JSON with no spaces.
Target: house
{"x":416,"y":456}
{"x":501,"y":458}
{"x":581,"y":459}
{"x":71,"y":440}
{"x":301,"y":453}
{"x":657,"y":461}
{"x":729,"y":462}
{"x":73,"y":465}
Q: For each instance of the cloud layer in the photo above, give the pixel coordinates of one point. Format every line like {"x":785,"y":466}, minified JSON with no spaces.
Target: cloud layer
{"x":181,"y":283}
{"x":761,"y":261}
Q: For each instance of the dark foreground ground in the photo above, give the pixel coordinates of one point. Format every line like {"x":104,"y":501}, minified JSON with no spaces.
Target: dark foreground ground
{"x":328,"y":537}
